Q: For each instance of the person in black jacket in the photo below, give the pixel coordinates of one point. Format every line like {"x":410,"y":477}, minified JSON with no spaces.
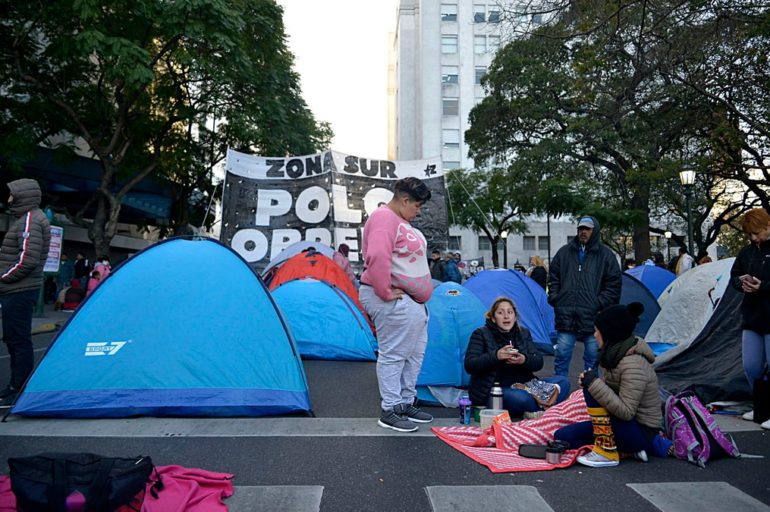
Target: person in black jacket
{"x":584,"y":279}
{"x":502,"y":351}
{"x":537,"y":271}
{"x":751,"y":276}
{"x":22,"y":258}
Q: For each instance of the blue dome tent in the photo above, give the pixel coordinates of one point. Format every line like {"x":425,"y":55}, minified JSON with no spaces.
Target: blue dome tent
{"x":183,"y":328}
{"x":455,"y":313}
{"x":532,"y":302}
{"x":634,"y":291}
{"x":325,"y":323}
{"x":656,"y":279}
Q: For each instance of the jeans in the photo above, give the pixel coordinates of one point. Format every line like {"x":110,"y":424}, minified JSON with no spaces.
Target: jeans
{"x":17,"y":333}
{"x":518,"y":401}
{"x":630,"y":436}
{"x":565,"y":343}
{"x":756,"y":354}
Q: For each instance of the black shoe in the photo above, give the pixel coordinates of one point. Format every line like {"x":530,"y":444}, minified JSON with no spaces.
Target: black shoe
{"x":413,"y":413}
{"x":8,"y":391}
{"x":8,"y":400}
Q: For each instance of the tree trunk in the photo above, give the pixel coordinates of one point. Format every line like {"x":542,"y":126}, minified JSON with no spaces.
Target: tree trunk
{"x":495,"y":256}
{"x":105,"y":224}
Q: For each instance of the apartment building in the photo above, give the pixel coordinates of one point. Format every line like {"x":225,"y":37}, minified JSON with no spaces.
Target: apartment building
{"x":440,"y":51}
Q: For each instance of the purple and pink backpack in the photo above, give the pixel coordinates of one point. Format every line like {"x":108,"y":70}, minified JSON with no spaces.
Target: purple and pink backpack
{"x":696,"y":436}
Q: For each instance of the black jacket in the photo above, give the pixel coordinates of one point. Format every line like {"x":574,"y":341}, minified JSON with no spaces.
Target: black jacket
{"x":540,"y":276}
{"x":483,"y":366}
{"x":577,"y":292}
{"x":755,"y":308}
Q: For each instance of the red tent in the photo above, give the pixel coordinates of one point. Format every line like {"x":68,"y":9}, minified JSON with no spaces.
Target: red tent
{"x":316,"y":266}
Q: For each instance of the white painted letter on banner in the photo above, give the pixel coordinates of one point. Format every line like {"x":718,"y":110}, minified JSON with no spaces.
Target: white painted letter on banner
{"x":271,"y":203}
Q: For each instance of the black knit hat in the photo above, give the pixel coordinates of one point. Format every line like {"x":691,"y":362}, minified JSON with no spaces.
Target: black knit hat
{"x":617,"y":323}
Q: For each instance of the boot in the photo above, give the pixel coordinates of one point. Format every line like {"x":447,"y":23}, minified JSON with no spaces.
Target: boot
{"x":605,"y":452}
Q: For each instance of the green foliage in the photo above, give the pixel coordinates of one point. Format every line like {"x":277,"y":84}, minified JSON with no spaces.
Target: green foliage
{"x":588,"y":115}
{"x":140,"y":81}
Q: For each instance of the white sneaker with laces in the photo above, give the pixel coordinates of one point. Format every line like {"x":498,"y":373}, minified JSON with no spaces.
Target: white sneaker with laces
{"x":596,"y":460}
{"x":748,"y":416}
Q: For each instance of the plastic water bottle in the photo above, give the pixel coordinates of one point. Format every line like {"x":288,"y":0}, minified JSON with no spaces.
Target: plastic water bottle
{"x":465,"y":410}
{"x":497,"y":396}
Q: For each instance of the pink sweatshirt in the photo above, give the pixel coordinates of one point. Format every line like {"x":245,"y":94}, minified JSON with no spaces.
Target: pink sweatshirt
{"x":395,"y":256}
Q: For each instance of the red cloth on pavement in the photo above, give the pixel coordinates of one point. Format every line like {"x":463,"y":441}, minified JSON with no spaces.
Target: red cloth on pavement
{"x":184,"y":490}
{"x":498,"y":447}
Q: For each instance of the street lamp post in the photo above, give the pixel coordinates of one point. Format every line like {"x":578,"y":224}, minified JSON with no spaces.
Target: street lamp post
{"x":504,"y":236}
{"x":687,"y":178}
{"x":667,"y":234}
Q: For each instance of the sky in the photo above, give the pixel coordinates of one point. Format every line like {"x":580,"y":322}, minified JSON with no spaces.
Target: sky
{"x":341,"y":54}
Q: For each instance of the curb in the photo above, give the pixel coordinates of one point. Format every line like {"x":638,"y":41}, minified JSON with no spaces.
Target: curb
{"x":44,"y":328}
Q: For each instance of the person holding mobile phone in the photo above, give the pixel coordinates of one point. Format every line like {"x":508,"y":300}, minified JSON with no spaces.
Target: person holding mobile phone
{"x":750,"y":275}
{"x":503,"y":351}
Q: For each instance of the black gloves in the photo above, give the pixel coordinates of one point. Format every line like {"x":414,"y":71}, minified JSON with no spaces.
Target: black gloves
{"x":588,"y":377}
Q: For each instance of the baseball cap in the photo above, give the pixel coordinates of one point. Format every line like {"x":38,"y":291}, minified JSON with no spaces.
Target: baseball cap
{"x":586,"y":222}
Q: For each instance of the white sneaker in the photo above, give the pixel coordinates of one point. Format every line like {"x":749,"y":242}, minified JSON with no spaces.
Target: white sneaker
{"x":596,"y":460}
{"x":641,"y":455}
{"x":765,"y":425}
{"x":748,"y":416}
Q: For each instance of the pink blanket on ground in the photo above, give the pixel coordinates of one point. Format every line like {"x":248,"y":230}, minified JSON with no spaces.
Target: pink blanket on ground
{"x":498,"y":447}
{"x":184,"y":490}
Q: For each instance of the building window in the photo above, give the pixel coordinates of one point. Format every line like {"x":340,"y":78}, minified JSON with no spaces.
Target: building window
{"x":451,"y":164}
{"x":542,"y":243}
{"x":449,"y":75}
{"x":451,"y":138}
{"x":479,"y":13}
{"x":479,"y":44}
{"x":450,"y":106}
{"x":493,"y":43}
{"x":480,"y":72}
{"x":494,"y":14}
{"x":448,"y":44}
{"x":484,"y":244}
{"x":529,"y":243}
{"x":448,"y":12}
{"x":454,"y":243}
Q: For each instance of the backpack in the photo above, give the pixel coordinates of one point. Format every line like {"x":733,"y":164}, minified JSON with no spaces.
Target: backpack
{"x":60,"y":482}
{"x":696,"y":436}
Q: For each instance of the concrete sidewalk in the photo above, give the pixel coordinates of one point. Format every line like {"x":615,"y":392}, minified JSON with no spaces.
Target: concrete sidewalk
{"x":50,"y":321}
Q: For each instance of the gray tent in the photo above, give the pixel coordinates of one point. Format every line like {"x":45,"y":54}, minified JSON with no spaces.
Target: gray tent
{"x":712,"y":364}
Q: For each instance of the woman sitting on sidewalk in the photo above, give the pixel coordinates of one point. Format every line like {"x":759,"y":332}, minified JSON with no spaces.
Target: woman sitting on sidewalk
{"x":624,"y":402}
{"x":502,"y":351}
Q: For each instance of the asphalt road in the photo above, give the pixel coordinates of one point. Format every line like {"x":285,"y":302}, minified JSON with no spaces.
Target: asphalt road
{"x":403,"y":471}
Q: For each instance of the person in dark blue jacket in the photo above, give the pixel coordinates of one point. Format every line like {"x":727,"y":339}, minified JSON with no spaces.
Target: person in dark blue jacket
{"x":584,"y":279}
{"x":451,"y":270}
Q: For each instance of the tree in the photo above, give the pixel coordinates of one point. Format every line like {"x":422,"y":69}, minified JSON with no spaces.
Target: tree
{"x":717,"y":49}
{"x":590,"y":88}
{"x":482,"y":201}
{"x":136,"y":81}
